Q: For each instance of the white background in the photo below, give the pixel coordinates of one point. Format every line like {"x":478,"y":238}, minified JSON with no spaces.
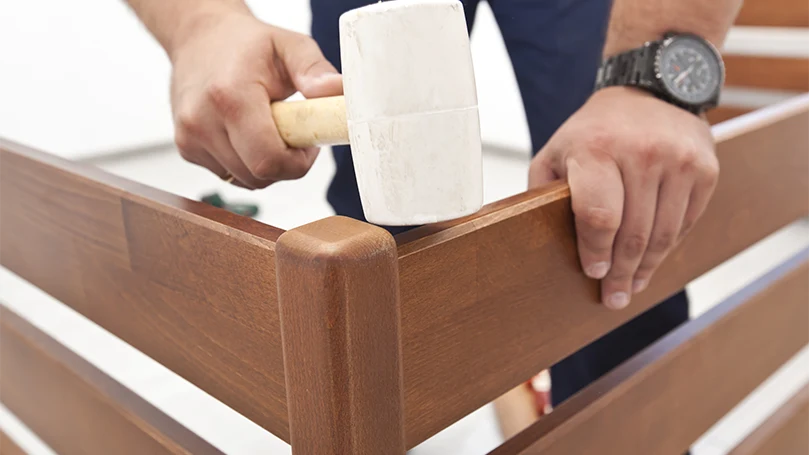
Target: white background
{"x":84,"y":77}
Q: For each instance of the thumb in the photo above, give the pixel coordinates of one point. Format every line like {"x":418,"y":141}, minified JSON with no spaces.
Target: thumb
{"x":308,"y":69}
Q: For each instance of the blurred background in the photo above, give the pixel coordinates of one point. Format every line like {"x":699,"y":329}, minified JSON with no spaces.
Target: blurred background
{"x":84,"y":80}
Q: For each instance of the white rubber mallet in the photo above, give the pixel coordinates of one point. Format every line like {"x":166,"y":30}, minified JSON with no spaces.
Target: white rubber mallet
{"x":409,"y":112}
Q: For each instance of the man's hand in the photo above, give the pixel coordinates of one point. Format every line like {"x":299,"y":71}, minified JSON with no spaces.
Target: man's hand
{"x":226,"y":71}
{"x":640,"y":172}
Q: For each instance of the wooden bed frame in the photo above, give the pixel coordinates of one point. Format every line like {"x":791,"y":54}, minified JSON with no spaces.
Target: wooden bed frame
{"x":765,"y":72}
{"x":340,"y":339}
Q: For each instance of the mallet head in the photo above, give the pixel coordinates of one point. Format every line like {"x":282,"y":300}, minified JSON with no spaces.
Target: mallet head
{"x":411,"y":106}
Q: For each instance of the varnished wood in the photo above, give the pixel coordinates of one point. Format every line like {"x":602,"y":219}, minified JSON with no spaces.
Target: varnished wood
{"x":785,"y":432}
{"x":660,"y":401}
{"x":74,"y":407}
{"x":339,"y":299}
{"x":500,"y":295}
{"x":188,"y":284}
{"x":8,"y":446}
{"x":723,"y":113}
{"x":774,"y":13}
{"x":775,"y":73}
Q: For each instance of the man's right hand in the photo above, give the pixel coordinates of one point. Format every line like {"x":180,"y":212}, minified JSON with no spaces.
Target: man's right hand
{"x":226,"y":71}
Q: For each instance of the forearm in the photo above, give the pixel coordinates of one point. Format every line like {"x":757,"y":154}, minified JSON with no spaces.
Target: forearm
{"x":634,"y":22}
{"x":171,"y":21}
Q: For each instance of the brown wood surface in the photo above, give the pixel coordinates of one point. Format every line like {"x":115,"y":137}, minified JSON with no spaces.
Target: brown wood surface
{"x":8,"y":446}
{"x":339,"y":300}
{"x":774,"y":13}
{"x":74,"y":407}
{"x":786,"y":432}
{"x":775,"y":73}
{"x":491,"y":299}
{"x":723,"y":113}
{"x":660,"y":401}
{"x":188,"y":284}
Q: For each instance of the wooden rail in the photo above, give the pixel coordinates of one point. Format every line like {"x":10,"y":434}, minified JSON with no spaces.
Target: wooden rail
{"x":768,"y":72}
{"x":513,"y":267}
{"x":74,"y":407}
{"x":190,"y":285}
{"x":774,"y":13}
{"x":701,"y":370}
{"x":785,"y":432}
{"x":8,"y":446}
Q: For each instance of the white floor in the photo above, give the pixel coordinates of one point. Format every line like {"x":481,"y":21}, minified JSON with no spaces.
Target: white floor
{"x":290,"y":204}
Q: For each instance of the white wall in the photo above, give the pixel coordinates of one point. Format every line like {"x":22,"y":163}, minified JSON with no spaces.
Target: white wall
{"x":83,"y":77}
{"x":80,"y":76}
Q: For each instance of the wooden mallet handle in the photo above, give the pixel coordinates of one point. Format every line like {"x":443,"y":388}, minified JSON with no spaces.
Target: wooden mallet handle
{"x":313,"y":122}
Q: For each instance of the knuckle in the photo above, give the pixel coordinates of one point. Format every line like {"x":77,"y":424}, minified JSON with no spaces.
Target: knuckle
{"x":265,"y":169}
{"x":189,"y":123}
{"x":223,"y":97}
{"x":710,"y":169}
{"x":183,"y":142}
{"x":634,"y":244}
{"x":645,"y":269}
{"x":650,"y":152}
{"x":600,"y":140}
{"x":688,"y":160}
{"x":599,"y":219}
{"x":298,"y":171}
{"x":662,"y":241}
{"x":620,"y":274}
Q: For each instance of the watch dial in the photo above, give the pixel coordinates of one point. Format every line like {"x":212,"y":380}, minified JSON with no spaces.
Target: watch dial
{"x":690,"y":70}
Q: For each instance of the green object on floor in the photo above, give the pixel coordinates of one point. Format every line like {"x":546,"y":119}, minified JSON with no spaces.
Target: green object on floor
{"x":216,"y":200}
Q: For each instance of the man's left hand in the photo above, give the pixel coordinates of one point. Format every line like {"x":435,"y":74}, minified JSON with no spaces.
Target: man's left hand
{"x":641,"y":172}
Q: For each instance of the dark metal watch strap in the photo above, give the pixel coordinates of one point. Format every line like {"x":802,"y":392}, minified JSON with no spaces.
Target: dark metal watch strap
{"x":632,"y":68}
{"x":635,"y":68}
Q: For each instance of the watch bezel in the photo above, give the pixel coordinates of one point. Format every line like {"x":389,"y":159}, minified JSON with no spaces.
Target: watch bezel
{"x":667,"y":42}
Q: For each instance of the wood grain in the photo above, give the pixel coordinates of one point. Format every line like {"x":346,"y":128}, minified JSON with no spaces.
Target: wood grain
{"x":188,"y":284}
{"x":663,"y":399}
{"x":338,"y":294}
{"x":774,"y":13}
{"x":74,"y":407}
{"x":500,"y":295}
{"x":723,"y":113}
{"x":8,"y":446}
{"x":784,"y":432}
{"x":775,"y":73}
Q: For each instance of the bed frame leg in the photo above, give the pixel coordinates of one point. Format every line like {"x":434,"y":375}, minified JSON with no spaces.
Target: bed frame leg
{"x":338,"y":289}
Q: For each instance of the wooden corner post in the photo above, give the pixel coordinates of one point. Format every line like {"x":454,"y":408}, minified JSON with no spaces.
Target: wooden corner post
{"x":338,"y":292}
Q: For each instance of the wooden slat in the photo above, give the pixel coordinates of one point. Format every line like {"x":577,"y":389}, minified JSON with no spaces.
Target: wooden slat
{"x":8,"y":446}
{"x":74,"y":407}
{"x":663,"y":399}
{"x":784,"y":432}
{"x":774,"y":13}
{"x":188,"y":284}
{"x":489,"y":300}
{"x":723,"y":113}
{"x":774,"y":73}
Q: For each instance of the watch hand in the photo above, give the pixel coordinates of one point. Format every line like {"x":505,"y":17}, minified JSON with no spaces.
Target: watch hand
{"x":683,"y":75}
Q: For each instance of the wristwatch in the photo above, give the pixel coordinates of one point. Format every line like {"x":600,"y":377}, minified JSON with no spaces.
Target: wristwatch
{"x":681,"y":68}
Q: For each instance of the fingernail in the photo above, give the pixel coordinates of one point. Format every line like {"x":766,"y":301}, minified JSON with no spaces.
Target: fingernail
{"x":598,"y":270}
{"x":618,"y":301}
{"x":638,"y":286}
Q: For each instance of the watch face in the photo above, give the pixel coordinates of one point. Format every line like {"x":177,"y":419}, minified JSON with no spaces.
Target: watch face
{"x":690,"y":70}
